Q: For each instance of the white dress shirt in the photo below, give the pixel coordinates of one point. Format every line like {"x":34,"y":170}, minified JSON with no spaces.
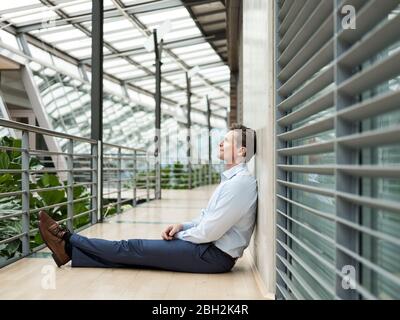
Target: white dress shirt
{"x":228,"y":221}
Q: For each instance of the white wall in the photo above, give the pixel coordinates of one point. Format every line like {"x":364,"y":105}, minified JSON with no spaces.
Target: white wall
{"x":258,"y":113}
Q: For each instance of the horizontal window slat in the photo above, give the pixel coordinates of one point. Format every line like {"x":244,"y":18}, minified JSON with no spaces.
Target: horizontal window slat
{"x":284,"y":292}
{"x":372,"y":138}
{"x":303,"y":187}
{"x":299,"y":278}
{"x":316,"y":255}
{"x":357,"y":4}
{"x":314,"y":86}
{"x":319,"y":104}
{"x":321,"y":36}
{"x":319,"y":60}
{"x":357,"y":227}
{"x":373,"y":43}
{"x":307,"y":208}
{"x":308,"y":129}
{"x":301,"y":18}
{"x":312,"y":148}
{"x":315,"y":20}
{"x":328,"y":170}
{"x":367,"y":18}
{"x":371,"y":171}
{"x":290,"y":16}
{"x":317,"y":233}
{"x":370,"y":202}
{"x":359,"y":287}
{"x":385,"y":69}
{"x":285,"y":8}
{"x":290,"y":285}
{"x":372,"y":107}
{"x":310,"y":271}
{"x":378,"y":269}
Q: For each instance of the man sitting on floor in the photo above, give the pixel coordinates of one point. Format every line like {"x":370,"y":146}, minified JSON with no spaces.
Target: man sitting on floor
{"x":210,"y":243}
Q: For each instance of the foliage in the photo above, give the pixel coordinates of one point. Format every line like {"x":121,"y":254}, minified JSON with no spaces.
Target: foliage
{"x":11,"y":182}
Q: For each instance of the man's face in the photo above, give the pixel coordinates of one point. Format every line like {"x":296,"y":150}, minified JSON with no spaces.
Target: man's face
{"x":228,"y":150}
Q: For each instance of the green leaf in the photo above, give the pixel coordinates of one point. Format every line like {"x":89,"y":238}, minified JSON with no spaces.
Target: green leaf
{"x":48,"y":180}
{"x":14,"y":166}
{"x":12,"y":247}
{"x":4,"y":161}
{"x":5,"y":178}
{"x":82,"y":206}
{"x":6,"y":141}
{"x":34,"y":164}
{"x":51,"y":197}
{"x":80,"y":192}
{"x":16,"y":155}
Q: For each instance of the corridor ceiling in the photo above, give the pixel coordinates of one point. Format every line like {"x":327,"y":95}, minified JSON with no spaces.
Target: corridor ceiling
{"x":196,"y":39}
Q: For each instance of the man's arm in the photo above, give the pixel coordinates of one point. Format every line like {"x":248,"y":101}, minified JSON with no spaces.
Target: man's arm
{"x":191,"y":224}
{"x":169,"y":232}
{"x":230,"y":205}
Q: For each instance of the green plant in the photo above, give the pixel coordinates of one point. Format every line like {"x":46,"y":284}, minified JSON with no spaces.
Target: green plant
{"x":11,"y":182}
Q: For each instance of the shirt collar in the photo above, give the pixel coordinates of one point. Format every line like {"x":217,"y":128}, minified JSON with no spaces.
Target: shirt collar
{"x":228,"y":174}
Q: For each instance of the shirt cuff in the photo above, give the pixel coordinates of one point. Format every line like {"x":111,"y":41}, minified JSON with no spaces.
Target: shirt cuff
{"x":187,"y":225}
{"x":179,"y":235}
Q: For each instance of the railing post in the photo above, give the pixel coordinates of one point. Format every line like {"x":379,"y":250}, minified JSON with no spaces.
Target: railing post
{"x":119,"y":168}
{"x":70,"y":183}
{"x":155,"y":186}
{"x":209,"y":172}
{"x":147,"y":179}
{"x":95,"y":184}
{"x":157,"y":137}
{"x":134,"y":177}
{"x":200,"y":169}
{"x":26,"y":193}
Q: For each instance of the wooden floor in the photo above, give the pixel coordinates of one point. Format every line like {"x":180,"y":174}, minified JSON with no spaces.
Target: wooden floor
{"x":37,"y":277}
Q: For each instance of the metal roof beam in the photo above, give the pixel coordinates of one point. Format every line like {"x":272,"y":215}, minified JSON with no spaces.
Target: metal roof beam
{"x":139,"y":50}
{"x":135,"y":21}
{"x":111,"y":13}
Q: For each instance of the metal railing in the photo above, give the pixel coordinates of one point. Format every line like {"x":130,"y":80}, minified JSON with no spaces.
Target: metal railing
{"x":181,"y":176}
{"x":64,"y":183}
{"x":128,"y":177}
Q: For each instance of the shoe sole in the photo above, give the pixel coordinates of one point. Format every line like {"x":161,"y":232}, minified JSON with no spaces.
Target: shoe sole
{"x":55,"y":258}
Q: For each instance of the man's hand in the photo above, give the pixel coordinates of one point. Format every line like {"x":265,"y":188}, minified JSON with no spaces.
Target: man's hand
{"x":169,"y":232}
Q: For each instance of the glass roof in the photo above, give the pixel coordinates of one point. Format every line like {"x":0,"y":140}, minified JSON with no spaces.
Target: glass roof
{"x":66,"y":26}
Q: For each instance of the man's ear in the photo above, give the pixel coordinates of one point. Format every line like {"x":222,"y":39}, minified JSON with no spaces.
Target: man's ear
{"x":242,"y":151}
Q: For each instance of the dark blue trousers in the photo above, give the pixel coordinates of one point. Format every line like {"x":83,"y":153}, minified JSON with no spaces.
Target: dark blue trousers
{"x":173,"y":255}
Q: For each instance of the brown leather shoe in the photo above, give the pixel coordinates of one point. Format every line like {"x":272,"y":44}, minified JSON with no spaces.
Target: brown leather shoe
{"x":52,"y":234}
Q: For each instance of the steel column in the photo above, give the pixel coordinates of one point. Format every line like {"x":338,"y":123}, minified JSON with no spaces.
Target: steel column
{"x":157,"y":138}
{"x":97,"y":90}
{"x":281,"y":190}
{"x":189,"y":125}
{"x":345,"y":236}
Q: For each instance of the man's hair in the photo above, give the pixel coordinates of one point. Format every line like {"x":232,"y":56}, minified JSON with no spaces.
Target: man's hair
{"x":247,"y":139}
